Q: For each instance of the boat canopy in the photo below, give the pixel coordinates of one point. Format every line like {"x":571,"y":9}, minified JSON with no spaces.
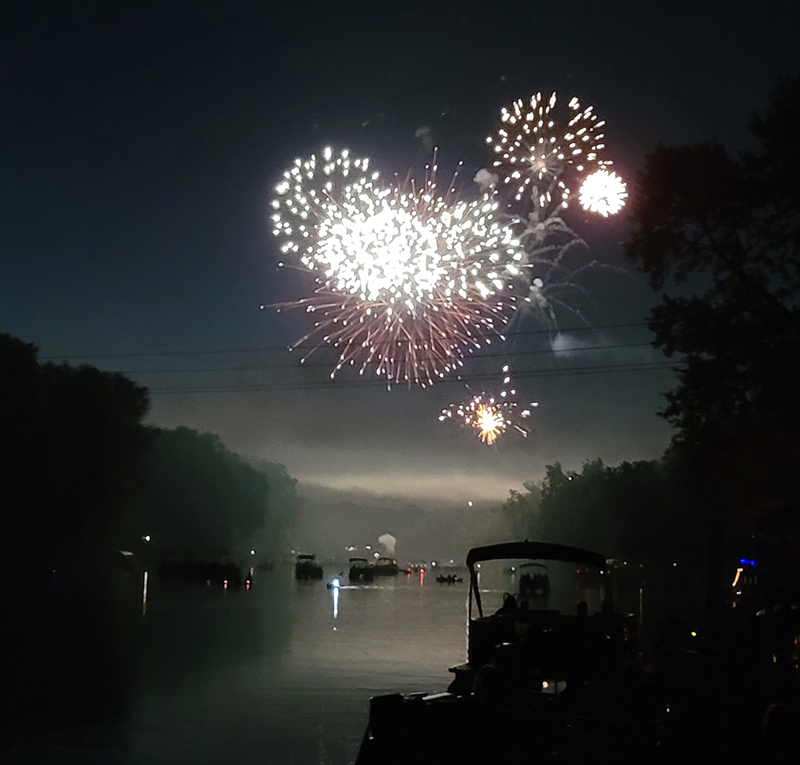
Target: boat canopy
{"x":535,"y":551}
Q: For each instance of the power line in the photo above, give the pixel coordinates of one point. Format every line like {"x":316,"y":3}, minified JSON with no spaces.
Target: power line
{"x":283,"y":348}
{"x":545,"y":351}
{"x":333,"y":384}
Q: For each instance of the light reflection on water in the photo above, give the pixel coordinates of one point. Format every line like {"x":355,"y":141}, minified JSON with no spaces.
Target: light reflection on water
{"x":283,"y":672}
{"x":144,"y":593}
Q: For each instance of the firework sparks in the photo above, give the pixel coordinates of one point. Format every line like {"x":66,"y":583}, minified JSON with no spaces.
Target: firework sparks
{"x":491,"y":415}
{"x":409,"y":280}
{"x":603,"y":192}
{"x":542,"y":148}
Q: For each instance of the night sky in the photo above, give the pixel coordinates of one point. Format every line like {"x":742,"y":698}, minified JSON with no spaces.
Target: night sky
{"x":140,"y":143}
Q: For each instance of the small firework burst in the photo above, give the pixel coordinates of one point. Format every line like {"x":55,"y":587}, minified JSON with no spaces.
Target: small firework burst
{"x":409,"y":280}
{"x":543,"y":148}
{"x":491,"y":415}
{"x":603,"y":192}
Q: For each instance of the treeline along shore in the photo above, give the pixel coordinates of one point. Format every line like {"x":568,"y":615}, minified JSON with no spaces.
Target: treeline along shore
{"x":84,"y":478}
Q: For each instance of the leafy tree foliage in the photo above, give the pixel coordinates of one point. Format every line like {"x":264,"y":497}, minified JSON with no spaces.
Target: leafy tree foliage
{"x":283,"y":511}
{"x":198,"y":497}
{"x":638,"y":510}
{"x":521,"y":512}
{"x":729,"y":229}
{"x":72,"y":450}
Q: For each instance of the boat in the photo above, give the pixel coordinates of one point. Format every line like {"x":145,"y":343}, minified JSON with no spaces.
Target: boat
{"x":546,"y":679}
{"x":360,"y":570}
{"x":385,"y":566}
{"x":306,"y":567}
{"x":448,"y":579}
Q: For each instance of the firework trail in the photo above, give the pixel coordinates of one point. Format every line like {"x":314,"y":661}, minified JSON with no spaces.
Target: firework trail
{"x":410,"y":280}
{"x":491,"y":415}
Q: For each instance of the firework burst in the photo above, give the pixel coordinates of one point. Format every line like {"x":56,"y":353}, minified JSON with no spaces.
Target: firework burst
{"x":544,"y":147}
{"x":409,"y":280}
{"x":491,"y":415}
{"x":603,"y":192}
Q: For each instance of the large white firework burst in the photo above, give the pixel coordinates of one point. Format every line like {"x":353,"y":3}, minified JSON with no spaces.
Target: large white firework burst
{"x":409,"y":279}
{"x":491,"y":415}
{"x":543,"y":147}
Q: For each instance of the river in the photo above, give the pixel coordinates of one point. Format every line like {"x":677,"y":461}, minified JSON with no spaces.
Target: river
{"x":281,"y":672}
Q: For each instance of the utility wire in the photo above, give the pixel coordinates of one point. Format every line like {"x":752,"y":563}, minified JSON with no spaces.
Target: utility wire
{"x":283,"y":348}
{"x":261,"y":367}
{"x":333,"y":384}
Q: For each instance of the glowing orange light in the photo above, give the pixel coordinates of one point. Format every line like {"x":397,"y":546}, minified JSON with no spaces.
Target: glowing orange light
{"x":490,"y":423}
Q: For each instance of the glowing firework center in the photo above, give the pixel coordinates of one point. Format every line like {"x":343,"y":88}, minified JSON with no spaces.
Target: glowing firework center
{"x":490,"y":423}
{"x":389,"y":248}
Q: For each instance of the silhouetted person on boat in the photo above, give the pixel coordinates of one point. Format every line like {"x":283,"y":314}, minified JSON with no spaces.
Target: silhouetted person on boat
{"x":509,"y":605}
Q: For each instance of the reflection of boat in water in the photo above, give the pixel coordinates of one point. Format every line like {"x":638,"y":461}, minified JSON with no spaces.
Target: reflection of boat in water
{"x":360,"y":570}
{"x":546,"y":680}
{"x":385,"y":567}
{"x":306,"y":567}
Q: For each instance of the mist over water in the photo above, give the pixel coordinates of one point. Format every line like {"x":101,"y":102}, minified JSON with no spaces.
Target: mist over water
{"x":281,"y":672}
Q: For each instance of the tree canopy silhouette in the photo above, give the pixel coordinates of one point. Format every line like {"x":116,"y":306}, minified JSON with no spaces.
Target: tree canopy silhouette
{"x":72,"y":451}
{"x":640,"y":510}
{"x":198,"y":497}
{"x":72,"y":447}
{"x":721,"y":236}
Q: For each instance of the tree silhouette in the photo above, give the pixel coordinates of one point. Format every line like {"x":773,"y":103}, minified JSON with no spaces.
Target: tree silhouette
{"x":197,"y":496}
{"x":726,"y":231}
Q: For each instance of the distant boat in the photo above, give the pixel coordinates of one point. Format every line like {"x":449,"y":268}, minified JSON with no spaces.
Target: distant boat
{"x":306,"y":567}
{"x":360,"y":569}
{"x":385,"y":567}
{"x":448,"y":579}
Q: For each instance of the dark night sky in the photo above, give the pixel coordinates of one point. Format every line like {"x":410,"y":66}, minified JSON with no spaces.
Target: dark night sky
{"x":140,"y":143}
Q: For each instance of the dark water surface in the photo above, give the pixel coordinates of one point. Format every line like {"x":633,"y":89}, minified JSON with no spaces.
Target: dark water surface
{"x":280,"y":673}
